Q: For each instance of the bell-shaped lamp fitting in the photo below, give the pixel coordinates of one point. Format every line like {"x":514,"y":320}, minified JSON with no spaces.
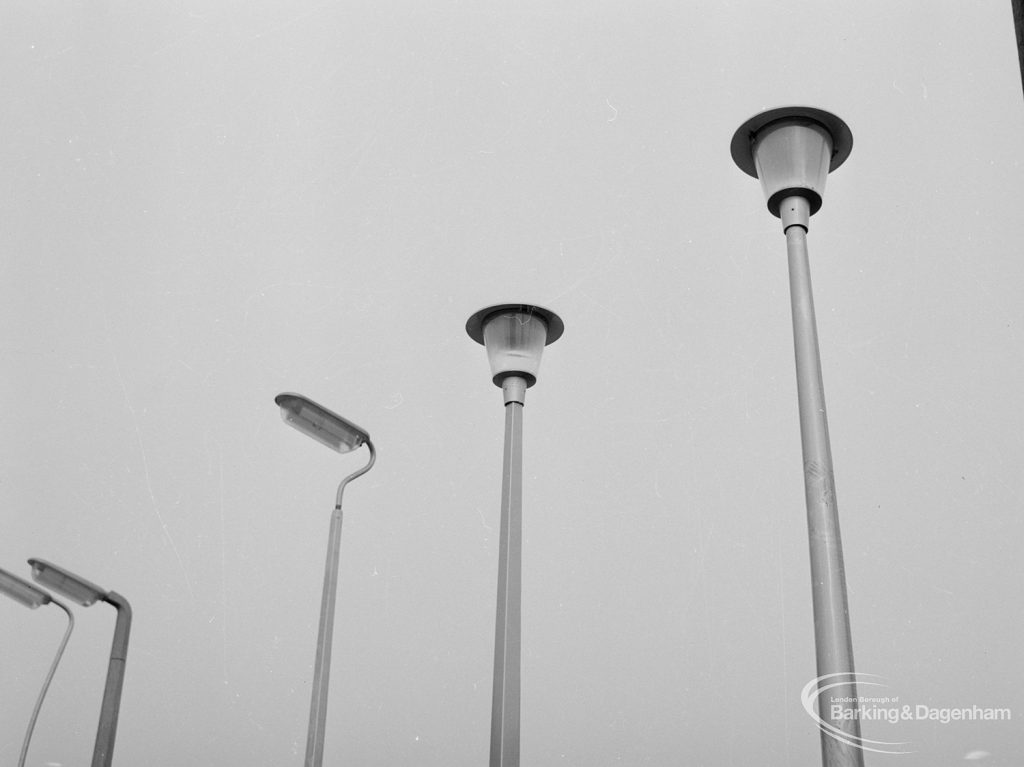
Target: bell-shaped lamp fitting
{"x":791,"y":150}
{"x":316,"y":421}
{"x":515,"y":336}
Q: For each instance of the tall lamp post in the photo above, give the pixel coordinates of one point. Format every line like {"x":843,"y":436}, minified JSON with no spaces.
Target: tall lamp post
{"x":24,"y":592}
{"x":83,"y":592}
{"x":343,"y":436}
{"x":514,"y":335}
{"x":792,"y":150}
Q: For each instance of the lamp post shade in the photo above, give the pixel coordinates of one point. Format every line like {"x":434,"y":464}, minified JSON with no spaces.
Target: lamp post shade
{"x":22,"y":591}
{"x":323,"y":425}
{"x":76,"y":589}
{"x":791,"y":151}
{"x":515,"y":336}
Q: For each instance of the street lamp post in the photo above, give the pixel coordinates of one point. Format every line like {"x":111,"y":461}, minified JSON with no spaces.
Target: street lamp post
{"x":22,"y":591}
{"x":83,"y":592}
{"x":514,"y":335}
{"x":792,"y":150}
{"x":343,"y":436}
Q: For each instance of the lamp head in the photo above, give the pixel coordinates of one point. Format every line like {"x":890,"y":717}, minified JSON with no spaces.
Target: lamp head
{"x":791,"y":150}
{"x":515,"y":336}
{"x":22,"y":591}
{"x":63,"y":582}
{"x":323,"y":425}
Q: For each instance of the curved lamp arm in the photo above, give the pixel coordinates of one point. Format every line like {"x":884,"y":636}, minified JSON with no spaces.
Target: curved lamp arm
{"x":353,"y":475}
{"x":49,"y":678}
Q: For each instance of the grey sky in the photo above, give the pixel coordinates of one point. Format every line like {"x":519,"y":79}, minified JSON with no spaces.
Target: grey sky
{"x":204,"y":205}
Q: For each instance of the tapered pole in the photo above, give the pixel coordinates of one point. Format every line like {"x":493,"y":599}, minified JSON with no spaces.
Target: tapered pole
{"x":507,"y":632}
{"x":46,"y":683}
{"x":325,"y":632}
{"x":103,"y":751}
{"x":832,"y":640}
{"x":324,"y":639}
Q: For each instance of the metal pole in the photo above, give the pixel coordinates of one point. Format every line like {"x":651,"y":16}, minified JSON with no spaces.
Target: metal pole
{"x":507,"y":637}
{"x":46,"y":683}
{"x":833,"y":644}
{"x":325,"y":632}
{"x":103,"y":752}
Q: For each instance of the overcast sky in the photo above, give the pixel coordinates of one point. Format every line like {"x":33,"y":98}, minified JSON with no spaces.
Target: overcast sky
{"x":206,"y":204}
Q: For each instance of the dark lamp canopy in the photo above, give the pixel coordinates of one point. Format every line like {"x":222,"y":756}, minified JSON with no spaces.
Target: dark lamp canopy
{"x":323,"y":425}
{"x":76,"y":589}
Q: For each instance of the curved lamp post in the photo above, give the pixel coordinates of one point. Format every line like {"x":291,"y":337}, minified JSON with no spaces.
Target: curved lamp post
{"x":24,"y":592}
{"x":514,"y":335}
{"x":343,"y":436}
{"x":792,"y":150}
{"x":83,"y":592}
